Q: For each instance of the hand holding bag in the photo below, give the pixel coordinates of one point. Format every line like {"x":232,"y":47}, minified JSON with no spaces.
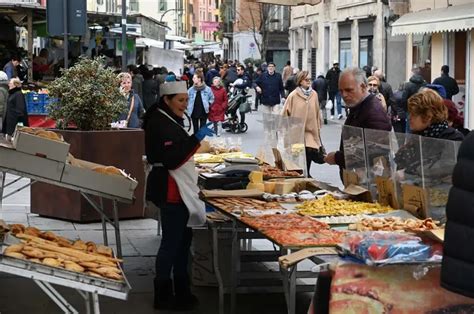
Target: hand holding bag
{"x":316,"y":154}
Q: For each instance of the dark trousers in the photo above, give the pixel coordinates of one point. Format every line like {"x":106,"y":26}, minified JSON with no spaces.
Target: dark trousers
{"x":198,"y":123}
{"x":175,"y":242}
{"x":257,"y":100}
{"x":335,"y":98}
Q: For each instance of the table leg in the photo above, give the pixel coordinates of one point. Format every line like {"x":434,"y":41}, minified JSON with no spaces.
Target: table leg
{"x":117,"y":230}
{"x":1,"y":187}
{"x":234,"y":265}
{"x":217,"y":271}
{"x":57,"y":298}
{"x":95,"y":301}
{"x":104,"y":222}
{"x":292,"y":291}
{"x":87,"y":300}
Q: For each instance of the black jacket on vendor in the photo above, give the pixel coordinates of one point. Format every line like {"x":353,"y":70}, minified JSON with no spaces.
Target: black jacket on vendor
{"x":168,"y":144}
{"x":457,"y":272}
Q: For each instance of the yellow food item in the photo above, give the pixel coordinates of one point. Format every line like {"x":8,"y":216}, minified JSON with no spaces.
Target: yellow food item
{"x":256,"y":177}
{"x":256,"y":186}
{"x":80,"y":245}
{"x":48,"y":135}
{"x":269,"y":187}
{"x":89,"y":264}
{"x":32,"y":252}
{"x":73,"y":266}
{"x":15,"y":255}
{"x":113,"y":170}
{"x":284,"y":187}
{"x":210,"y":158}
{"x":329,"y":206}
{"x":51,"y":262}
{"x":14,"y":248}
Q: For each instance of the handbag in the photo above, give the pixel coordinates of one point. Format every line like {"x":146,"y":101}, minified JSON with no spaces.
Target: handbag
{"x":132,"y":105}
{"x":329,"y":104}
{"x":316,"y":154}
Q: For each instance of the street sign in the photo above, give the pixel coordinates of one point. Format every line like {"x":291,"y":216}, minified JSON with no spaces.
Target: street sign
{"x":76,"y":17}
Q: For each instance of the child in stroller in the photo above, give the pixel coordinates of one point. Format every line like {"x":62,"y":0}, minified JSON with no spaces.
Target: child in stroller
{"x":238,"y":100}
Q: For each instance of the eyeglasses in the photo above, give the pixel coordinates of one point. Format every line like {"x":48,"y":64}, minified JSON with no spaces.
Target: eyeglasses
{"x":308,"y":79}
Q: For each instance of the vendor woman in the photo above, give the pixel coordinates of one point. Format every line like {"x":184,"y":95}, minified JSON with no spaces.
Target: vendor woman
{"x":172,"y":187}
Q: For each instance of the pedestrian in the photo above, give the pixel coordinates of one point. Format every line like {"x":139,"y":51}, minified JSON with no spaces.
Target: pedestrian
{"x":457,"y":268}
{"x":270,"y":86}
{"x":303,"y":104}
{"x":290,"y":83}
{"x":11,"y":67}
{"x":200,"y":98}
{"x":413,"y":85}
{"x":258,"y":96}
{"x":454,"y":119}
{"x":135,"y":108}
{"x":385,"y":88}
{"x":450,"y":85}
{"x":150,"y":89}
{"x":425,"y":71}
{"x":373,"y":84}
{"x":230,"y":75}
{"x":172,"y":187}
{"x":3,"y":96}
{"x":170,"y":77}
{"x":137,"y":80}
{"x":211,"y":74}
{"x":16,"y":109}
{"x":249,"y":70}
{"x":219,"y":106}
{"x":398,"y":113}
{"x":246,"y":82}
{"x":332,"y":76}
{"x":365,"y":110}
{"x":287,"y":72}
{"x":321,"y":87}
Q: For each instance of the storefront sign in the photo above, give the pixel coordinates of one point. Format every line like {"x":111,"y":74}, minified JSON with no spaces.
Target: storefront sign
{"x":207,"y":26}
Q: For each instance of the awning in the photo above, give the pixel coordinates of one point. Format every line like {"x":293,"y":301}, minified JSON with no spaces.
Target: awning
{"x":290,"y":2}
{"x":450,"y":19}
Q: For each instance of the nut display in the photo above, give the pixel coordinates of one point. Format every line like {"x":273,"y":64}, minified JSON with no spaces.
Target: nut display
{"x":394,"y":224}
{"x":329,"y":206}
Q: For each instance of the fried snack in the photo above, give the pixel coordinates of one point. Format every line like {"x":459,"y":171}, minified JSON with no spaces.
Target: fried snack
{"x":32,"y":252}
{"x":15,"y":255}
{"x":73,"y":266}
{"x":14,"y":248}
{"x":49,"y":235}
{"x":79,"y":245}
{"x":17,"y":228}
{"x":32,"y":231}
{"x":104,"y":250}
{"x":394,"y":224}
{"x":89,"y":264}
{"x":329,"y":206}
{"x":77,"y":254}
{"x":51,"y":262}
{"x":28,"y":130}
{"x":109,"y":272}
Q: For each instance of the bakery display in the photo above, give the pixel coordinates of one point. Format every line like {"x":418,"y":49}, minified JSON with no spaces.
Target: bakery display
{"x":50,"y":135}
{"x":330,"y":206}
{"x":53,"y":250}
{"x":394,"y":224}
{"x":232,"y":204}
{"x":270,"y":172}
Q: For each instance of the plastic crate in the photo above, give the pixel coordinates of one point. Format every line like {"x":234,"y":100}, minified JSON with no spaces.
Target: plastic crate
{"x":36,"y":103}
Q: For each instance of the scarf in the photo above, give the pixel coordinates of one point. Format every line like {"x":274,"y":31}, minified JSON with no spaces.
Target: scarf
{"x":199,"y":88}
{"x":306,"y":92}
{"x":435,"y":129}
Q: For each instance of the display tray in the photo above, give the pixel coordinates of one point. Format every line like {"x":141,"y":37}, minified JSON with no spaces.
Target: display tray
{"x":28,"y":269}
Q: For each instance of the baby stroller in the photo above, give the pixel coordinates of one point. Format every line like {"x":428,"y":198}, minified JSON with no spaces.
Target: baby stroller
{"x":239,"y":99}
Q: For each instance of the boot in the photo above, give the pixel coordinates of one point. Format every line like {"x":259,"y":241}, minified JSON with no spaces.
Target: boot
{"x":164,"y":298}
{"x":184,"y":299}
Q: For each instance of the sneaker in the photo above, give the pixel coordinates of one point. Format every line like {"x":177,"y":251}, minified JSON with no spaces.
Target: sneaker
{"x":339,"y":117}
{"x":332,"y":117}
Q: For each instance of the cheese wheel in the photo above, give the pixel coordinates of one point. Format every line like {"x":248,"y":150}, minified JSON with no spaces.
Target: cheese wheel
{"x":256,"y":186}
{"x":256,"y":177}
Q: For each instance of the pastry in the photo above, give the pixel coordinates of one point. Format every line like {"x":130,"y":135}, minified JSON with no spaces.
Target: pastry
{"x":15,"y":255}
{"x":17,"y":228}
{"x":32,"y":231}
{"x":51,"y":262}
{"x":49,"y":235}
{"x":89,"y":264}
{"x":32,"y":252}
{"x":14,"y":248}
{"x":79,"y":245}
{"x":73,"y":266}
{"x":104,"y":250}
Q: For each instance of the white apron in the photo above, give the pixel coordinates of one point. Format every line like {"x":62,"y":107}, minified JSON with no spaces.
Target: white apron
{"x":186,"y":179}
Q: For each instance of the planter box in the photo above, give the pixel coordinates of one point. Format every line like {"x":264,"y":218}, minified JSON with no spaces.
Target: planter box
{"x":120,"y":148}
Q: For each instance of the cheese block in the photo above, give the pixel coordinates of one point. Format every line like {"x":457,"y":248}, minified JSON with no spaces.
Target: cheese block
{"x":257,"y":186}
{"x":269,"y":187}
{"x":256,"y":177}
{"x":284,"y":187}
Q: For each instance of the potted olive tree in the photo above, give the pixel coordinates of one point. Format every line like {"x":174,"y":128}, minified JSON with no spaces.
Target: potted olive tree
{"x":89,"y":100}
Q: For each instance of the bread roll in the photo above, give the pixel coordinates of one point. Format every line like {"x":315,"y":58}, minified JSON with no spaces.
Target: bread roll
{"x":113,"y":170}
{"x":49,"y":235}
{"x":14,"y":248}
{"x":15,"y":255}
{"x":51,"y":262}
{"x":104,"y":250}
{"x":17,"y":228}
{"x":80,"y":245}
{"x":32,"y":231}
{"x":32,"y":252}
{"x":99,"y":169}
{"x":73,"y":266}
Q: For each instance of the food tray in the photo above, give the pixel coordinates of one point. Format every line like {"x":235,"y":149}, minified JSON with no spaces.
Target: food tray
{"x":24,"y":268}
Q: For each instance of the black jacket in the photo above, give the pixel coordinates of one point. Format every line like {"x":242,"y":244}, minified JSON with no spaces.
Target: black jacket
{"x":171,"y":145}
{"x":150,"y":93}
{"x":16,"y":111}
{"x":332,"y":76}
{"x":321,"y":87}
{"x":290,"y":84}
{"x":457,"y":272}
{"x":411,"y":88}
{"x":449,"y":84}
{"x":387,"y":93}
{"x":272,"y":88}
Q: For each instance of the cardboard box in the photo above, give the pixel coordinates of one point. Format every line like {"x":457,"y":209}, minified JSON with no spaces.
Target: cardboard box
{"x":202,"y":267}
{"x":39,"y":146}
{"x":30,"y":164}
{"x":80,"y":174}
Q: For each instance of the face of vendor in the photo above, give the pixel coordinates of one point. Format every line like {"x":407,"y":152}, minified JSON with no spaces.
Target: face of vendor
{"x":126,"y":85}
{"x":351,"y":91}
{"x":177,"y":103}
{"x":419,"y":123}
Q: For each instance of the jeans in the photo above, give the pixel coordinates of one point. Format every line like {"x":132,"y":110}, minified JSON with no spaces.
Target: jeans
{"x":198,"y":123}
{"x":175,"y":243}
{"x":336,"y":96}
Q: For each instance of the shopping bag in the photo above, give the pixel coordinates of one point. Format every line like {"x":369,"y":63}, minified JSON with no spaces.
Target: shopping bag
{"x":329,"y":104}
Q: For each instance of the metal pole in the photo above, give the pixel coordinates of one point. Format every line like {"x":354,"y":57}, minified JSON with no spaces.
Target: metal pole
{"x":124,"y":35}
{"x":65,"y":45}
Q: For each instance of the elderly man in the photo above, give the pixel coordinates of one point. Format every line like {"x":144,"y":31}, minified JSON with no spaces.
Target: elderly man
{"x":365,"y":110}
{"x":270,"y":86}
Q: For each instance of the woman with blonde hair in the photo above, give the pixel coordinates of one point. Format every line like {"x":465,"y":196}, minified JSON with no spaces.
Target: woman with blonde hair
{"x":373,"y":84}
{"x":16,"y":108}
{"x":135,"y":109}
{"x":303,"y":103}
{"x":219,"y":106}
{"x":200,"y":99}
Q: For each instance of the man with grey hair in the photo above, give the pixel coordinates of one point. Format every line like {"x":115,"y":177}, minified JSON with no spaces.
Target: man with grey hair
{"x":365,"y":110}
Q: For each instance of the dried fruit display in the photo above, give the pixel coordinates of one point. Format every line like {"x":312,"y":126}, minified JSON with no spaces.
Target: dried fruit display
{"x":329,"y":206}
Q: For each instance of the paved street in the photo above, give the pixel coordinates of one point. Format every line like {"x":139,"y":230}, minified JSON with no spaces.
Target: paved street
{"x":140,"y":244}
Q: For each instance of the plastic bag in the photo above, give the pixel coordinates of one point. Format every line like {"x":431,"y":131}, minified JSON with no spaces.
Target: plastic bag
{"x":329,"y":105}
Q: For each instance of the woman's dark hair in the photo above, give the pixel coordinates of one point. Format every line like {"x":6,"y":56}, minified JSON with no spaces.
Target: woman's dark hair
{"x":160,"y":103}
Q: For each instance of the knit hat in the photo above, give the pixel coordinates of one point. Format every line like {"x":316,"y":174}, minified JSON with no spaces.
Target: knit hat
{"x":3,"y":77}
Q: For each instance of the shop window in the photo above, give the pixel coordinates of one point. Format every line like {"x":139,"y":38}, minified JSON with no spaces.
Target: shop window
{"x":300,"y":59}
{"x":365,"y":52}
{"x":313,"y":63}
{"x":133,"y":5}
{"x":162,"y":6}
{"x":421,"y":49}
{"x":460,"y":40}
{"x":345,"y":53}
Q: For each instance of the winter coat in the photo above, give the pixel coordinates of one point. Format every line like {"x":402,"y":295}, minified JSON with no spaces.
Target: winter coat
{"x":137,"y":85}
{"x":450,"y":85}
{"x":212,"y":73}
{"x":290,"y":84}
{"x":411,"y":88}
{"x":387,"y":92}
{"x":206,"y":95}
{"x":297,"y":105}
{"x":219,"y":106}
{"x":3,"y":99}
{"x":150,"y":93}
{"x":137,"y":111}
{"x":321,"y":87}
{"x":369,"y":114}
{"x":332,"y":76}
{"x":230,"y":75}
{"x":247,"y":82}
{"x":171,"y":145}
{"x":16,"y":111}
{"x":272,"y":88}
{"x":457,"y":271}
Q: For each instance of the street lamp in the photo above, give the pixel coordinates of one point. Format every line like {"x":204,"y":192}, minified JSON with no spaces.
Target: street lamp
{"x":169,"y":10}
